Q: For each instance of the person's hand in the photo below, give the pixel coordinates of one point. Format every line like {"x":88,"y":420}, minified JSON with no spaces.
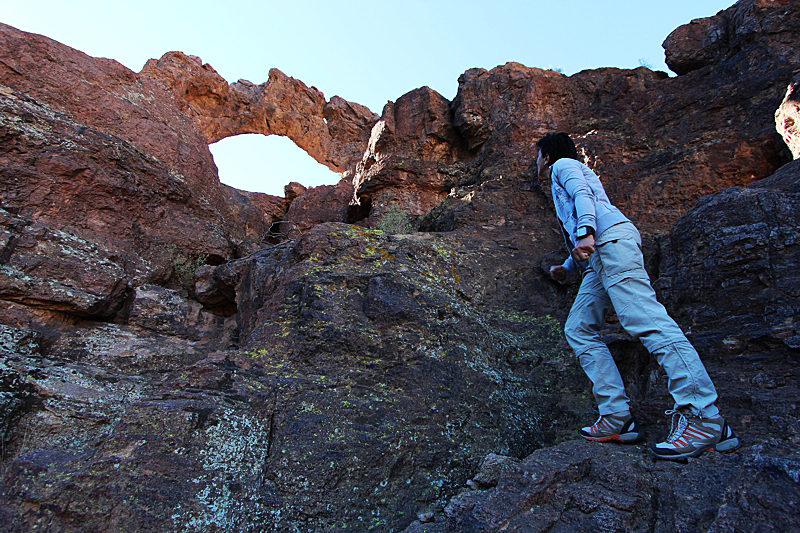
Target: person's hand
{"x":583,"y":249}
{"x":558,"y":273}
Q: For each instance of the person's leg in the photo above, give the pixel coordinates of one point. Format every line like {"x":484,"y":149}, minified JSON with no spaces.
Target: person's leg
{"x":620,"y":266}
{"x":644,"y":317}
{"x":583,"y":335}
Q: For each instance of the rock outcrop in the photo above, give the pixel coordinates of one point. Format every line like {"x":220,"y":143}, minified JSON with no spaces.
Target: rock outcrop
{"x":332,"y":132}
{"x":658,"y":143}
{"x":177,"y":355}
{"x":578,"y":487}
{"x":728,"y":275}
{"x":787,"y":117}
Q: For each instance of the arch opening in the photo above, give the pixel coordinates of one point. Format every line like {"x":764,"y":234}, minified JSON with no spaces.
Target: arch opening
{"x":255,"y":162}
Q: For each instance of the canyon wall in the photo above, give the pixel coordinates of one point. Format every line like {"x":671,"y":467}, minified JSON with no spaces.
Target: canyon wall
{"x":178,"y":355}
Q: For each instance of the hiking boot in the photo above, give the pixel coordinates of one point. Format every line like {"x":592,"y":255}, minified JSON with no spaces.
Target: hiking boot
{"x":617,"y":427}
{"x":691,"y":436}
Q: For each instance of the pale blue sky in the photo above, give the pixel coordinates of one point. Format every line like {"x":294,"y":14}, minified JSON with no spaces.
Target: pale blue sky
{"x":365,"y":52}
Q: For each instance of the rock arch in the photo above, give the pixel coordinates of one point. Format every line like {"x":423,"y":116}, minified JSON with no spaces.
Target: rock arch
{"x":333,"y":132}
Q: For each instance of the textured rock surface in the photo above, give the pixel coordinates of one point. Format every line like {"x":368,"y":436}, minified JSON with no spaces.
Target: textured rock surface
{"x":756,"y":28}
{"x":408,"y":157}
{"x":787,"y":117}
{"x":351,"y":402}
{"x":324,"y":203}
{"x":85,"y":214}
{"x":579,"y":486}
{"x":658,"y":143}
{"x":728,"y":274}
{"x":332,"y":132}
{"x":177,"y":355}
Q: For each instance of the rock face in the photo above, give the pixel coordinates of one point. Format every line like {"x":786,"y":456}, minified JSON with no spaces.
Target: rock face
{"x":408,"y":159}
{"x":352,"y":392}
{"x":787,"y":117}
{"x":658,"y":143}
{"x":578,"y":487}
{"x":177,"y":355}
{"x":728,"y":275}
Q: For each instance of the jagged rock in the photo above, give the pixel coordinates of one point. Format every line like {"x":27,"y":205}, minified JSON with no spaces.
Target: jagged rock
{"x":79,"y":220}
{"x":408,"y":148}
{"x":787,"y":117}
{"x":697,"y":44}
{"x":293,"y":190}
{"x":629,"y":125}
{"x":174,"y":358}
{"x":215,"y":287}
{"x":103,"y":95}
{"x":658,"y":143}
{"x":651,"y":138}
{"x":580,"y":486}
{"x":252,"y":215}
{"x":324,"y":203}
{"x":770,"y":24}
{"x":333,"y":133}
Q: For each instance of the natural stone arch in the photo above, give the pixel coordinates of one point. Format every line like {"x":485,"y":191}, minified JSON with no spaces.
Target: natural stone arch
{"x":334,"y":133}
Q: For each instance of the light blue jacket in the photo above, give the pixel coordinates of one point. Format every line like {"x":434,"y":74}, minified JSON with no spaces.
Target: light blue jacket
{"x":580,"y":200}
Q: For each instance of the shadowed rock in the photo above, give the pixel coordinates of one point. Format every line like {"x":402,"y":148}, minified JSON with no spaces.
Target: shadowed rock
{"x":177,"y":355}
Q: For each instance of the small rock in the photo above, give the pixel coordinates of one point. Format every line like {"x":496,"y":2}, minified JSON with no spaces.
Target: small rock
{"x":491,"y":469}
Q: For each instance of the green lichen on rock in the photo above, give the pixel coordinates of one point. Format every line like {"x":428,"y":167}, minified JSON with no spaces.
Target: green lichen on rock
{"x":420,"y":381}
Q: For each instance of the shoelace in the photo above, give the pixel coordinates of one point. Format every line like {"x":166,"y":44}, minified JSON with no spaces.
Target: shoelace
{"x":675,"y":432}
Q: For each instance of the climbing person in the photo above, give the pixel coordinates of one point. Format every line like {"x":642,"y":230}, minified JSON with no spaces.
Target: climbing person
{"x":606,"y":246}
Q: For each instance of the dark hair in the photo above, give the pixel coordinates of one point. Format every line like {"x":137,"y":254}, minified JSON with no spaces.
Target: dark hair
{"x":557,"y":145}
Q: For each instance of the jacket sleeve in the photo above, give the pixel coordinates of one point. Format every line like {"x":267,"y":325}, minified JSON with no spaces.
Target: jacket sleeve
{"x":571,"y":265}
{"x":574,"y":182}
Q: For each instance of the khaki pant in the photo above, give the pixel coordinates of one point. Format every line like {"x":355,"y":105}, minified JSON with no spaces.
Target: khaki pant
{"x":616,"y":277}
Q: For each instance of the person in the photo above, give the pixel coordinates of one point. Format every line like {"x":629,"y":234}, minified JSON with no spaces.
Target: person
{"x":606,"y":245}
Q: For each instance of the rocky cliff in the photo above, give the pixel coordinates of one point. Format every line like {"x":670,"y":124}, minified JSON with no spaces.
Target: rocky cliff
{"x":178,"y":355}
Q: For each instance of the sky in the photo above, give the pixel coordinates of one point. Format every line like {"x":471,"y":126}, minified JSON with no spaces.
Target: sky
{"x":369,"y":52}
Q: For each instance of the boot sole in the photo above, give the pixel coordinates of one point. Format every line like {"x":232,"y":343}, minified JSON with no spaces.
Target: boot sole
{"x":626,"y":438}
{"x":725,"y":446}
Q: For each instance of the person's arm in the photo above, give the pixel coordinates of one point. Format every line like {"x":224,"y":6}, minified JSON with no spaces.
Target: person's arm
{"x":560,"y":272}
{"x":571,"y":178}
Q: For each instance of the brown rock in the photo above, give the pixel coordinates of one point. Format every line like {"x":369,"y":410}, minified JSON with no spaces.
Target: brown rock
{"x":333,"y":133}
{"x":771,"y":23}
{"x":652,"y":139}
{"x":88,"y":211}
{"x":106,"y":96}
{"x":697,"y":44}
{"x":787,"y":117}
{"x":325,"y":203}
{"x":293,"y":190}
{"x":404,"y":164}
